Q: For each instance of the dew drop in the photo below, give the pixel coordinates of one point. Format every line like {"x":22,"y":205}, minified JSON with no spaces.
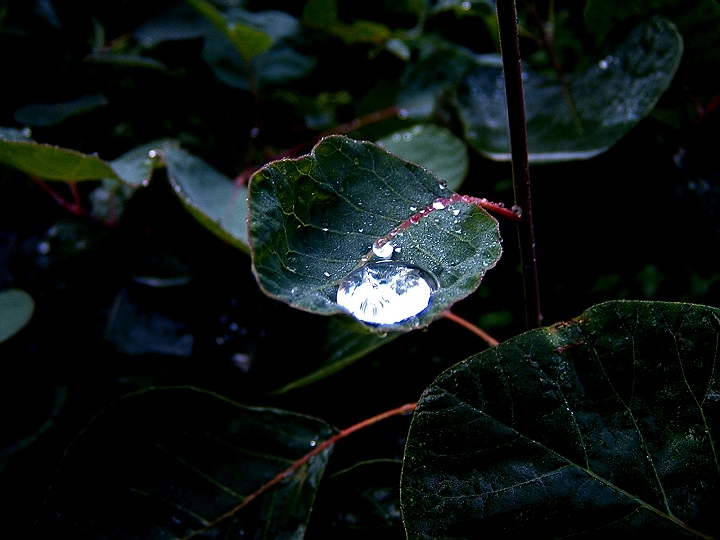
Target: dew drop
{"x":382,"y":248}
{"x":26,"y":132}
{"x":152,"y":154}
{"x":326,"y":274}
{"x":605,"y":62}
{"x":386,"y":292}
{"x":402,"y":113}
{"x":438,"y":204}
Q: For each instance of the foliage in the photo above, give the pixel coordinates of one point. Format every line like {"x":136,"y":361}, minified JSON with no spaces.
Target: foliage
{"x":198,"y":193}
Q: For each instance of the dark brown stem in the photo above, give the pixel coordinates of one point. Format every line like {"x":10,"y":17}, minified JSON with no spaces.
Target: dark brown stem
{"x":512,"y":69}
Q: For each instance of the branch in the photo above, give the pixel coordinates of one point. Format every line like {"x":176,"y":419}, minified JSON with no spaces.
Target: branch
{"x":512,"y":70}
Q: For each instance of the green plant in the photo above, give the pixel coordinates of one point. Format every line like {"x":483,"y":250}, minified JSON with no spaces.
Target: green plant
{"x":199,"y":333}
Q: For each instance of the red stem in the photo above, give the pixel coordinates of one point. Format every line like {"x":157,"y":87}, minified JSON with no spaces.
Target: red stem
{"x":474,"y":329}
{"x":404,"y":409}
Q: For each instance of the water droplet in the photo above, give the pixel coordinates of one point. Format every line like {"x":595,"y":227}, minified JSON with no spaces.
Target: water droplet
{"x":387,"y":292}
{"x":326,"y":274}
{"x":466,"y":5}
{"x":254,"y":132}
{"x":438,"y":204}
{"x":325,"y":229}
{"x":402,"y":113}
{"x":517,"y":210}
{"x":152,"y":154}
{"x":313,"y":443}
{"x":382,"y":248}
{"x":605,"y":62}
{"x":26,"y":132}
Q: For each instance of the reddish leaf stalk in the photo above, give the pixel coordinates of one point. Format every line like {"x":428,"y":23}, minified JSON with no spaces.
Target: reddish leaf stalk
{"x":404,"y":409}
{"x":512,"y":70}
{"x":491,"y":341}
{"x":74,"y":207}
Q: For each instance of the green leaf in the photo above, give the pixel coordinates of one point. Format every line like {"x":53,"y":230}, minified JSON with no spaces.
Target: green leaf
{"x":602,"y":102}
{"x":16,"y":309}
{"x":607,"y":424}
{"x":211,"y":197}
{"x":314,"y":220}
{"x":169,"y":462}
{"x":248,"y":41}
{"x":52,"y":162}
{"x":433,"y":147}
{"x":50,"y":114}
{"x":276,"y":65}
{"x":698,"y":22}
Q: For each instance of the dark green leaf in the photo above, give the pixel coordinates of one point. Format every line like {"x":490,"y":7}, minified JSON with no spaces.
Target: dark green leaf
{"x":16,"y":309}
{"x":50,"y":114}
{"x":604,"y":425}
{"x":168,"y":462}
{"x":52,"y":162}
{"x":248,"y":40}
{"x":211,"y":197}
{"x":314,"y":220}
{"x":599,"y":104}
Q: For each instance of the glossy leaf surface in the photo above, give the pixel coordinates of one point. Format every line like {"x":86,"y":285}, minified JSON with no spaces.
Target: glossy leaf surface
{"x":211,"y":197}
{"x":167,"y":463}
{"x":314,"y":220}
{"x":587,"y":115}
{"x":603,"y":425}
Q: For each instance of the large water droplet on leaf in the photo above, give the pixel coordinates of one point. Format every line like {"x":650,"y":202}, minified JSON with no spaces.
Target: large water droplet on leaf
{"x":387,"y":292}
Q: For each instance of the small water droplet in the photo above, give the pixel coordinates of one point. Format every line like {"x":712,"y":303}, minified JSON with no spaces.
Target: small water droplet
{"x":177,"y":188}
{"x":313,"y":443}
{"x":382,"y":248}
{"x":325,"y":229}
{"x":517,"y":210}
{"x":605,"y":62}
{"x":386,"y":292}
{"x":438,"y":204}
{"x":466,"y":5}
{"x":254,"y":132}
{"x":152,"y":154}
{"x":361,"y":229}
{"x":326,"y":274}
{"x":402,"y":113}
{"x":26,"y":132}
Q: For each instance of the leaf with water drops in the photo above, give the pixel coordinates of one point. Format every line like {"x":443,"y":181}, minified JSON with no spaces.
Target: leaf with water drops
{"x":588,"y":112}
{"x":171,"y":462}
{"x":607,"y":424}
{"x":211,"y":197}
{"x":354,"y":229}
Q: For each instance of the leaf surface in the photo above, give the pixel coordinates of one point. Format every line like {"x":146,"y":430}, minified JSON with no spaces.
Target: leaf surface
{"x":601,"y":103}
{"x":168,"y":462}
{"x":606,"y":424}
{"x":16,"y":309}
{"x":211,"y":197}
{"x":314,"y":220}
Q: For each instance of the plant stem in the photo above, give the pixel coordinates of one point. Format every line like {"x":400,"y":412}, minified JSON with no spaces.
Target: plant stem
{"x":469,"y":326}
{"x":403,"y":409}
{"x":512,"y":70}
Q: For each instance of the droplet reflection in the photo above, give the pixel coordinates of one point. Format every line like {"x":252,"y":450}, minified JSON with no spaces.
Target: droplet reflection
{"x":386,"y":292}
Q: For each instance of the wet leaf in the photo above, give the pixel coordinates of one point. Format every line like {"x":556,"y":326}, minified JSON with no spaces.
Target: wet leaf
{"x":601,"y":103}
{"x":603,"y":425}
{"x":52,"y":162}
{"x":16,"y":309}
{"x":433,"y":147}
{"x":168,"y":462}
{"x":313,"y":222}
{"x":50,"y":114}
{"x":211,"y":197}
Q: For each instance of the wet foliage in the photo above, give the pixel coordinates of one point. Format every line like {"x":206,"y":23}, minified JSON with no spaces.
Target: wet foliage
{"x":211,"y":209}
